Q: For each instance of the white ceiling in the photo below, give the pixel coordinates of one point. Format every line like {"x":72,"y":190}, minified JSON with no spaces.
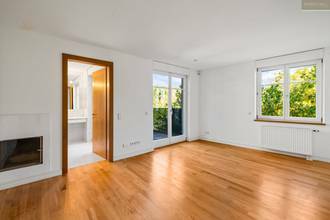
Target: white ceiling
{"x":216,"y":32}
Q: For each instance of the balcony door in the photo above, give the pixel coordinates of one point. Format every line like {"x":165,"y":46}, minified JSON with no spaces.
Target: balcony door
{"x":169,"y":108}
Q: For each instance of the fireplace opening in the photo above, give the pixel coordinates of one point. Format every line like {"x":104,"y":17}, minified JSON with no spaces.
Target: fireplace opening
{"x":21,"y":152}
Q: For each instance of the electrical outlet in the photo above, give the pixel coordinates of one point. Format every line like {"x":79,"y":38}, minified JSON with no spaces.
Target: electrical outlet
{"x":134,"y":143}
{"x":207,"y":132}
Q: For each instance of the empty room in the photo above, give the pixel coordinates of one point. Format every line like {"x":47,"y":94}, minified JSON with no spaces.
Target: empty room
{"x":159,"y":109}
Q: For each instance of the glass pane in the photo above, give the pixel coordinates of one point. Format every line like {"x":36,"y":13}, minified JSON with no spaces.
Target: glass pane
{"x":177,"y":83}
{"x":303,"y":92}
{"x":177,"y":106}
{"x":272,"y":76}
{"x":303,"y":73}
{"x":160,"y":106}
{"x":160,"y":81}
{"x":272,"y":100}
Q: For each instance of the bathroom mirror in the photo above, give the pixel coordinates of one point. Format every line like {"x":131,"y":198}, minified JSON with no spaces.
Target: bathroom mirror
{"x":73,"y":93}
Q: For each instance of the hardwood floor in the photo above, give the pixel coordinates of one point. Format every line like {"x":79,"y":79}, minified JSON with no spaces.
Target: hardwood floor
{"x":197,"y":180}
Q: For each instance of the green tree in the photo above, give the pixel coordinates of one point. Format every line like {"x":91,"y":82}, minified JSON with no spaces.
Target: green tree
{"x":302,"y":94}
{"x":177,"y":111}
{"x":160,"y":97}
{"x":272,"y":97}
{"x":160,"y":109}
{"x":176,"y":98}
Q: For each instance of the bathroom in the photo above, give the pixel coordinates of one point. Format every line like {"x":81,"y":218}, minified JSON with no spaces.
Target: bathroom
{"x":80,"y":114}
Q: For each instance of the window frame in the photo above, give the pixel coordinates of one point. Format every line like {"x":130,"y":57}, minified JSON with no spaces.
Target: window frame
{"x":286,"y":93}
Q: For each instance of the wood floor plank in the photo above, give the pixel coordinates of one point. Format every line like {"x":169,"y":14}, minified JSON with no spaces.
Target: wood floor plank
{"x":191,"y":180}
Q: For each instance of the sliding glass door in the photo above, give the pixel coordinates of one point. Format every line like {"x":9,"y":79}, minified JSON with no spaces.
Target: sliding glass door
{"x":168,"y":108}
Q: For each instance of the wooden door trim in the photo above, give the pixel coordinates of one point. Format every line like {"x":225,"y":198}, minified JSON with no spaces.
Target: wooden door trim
{"x":109,"y":104}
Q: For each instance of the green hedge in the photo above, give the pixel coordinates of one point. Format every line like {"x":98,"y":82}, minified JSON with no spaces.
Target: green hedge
{"x":160,"y":120}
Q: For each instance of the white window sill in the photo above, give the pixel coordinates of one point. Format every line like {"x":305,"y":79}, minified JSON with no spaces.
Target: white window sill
{"x":290,"y":122}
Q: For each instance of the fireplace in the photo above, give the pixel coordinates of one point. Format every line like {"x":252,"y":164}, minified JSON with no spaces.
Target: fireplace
{"x":21,"y":152}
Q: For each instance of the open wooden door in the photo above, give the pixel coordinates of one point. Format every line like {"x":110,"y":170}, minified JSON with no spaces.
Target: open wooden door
{"x":103,"y":105}
{"x":100,"y":113}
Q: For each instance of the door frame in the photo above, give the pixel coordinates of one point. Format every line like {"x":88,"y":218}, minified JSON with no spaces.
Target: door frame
{"x":173,"y":139}
{"x":109,"y":104}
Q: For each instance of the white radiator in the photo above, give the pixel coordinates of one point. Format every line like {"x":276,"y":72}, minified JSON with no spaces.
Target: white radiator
{"x":292,"y":140}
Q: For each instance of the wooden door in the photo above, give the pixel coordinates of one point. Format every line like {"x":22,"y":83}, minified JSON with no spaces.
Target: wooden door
{"x":99,"y":113}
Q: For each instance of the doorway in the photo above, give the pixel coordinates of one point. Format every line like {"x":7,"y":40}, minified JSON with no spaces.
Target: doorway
{"x":169,"y":108}
{"x":87,"y":111}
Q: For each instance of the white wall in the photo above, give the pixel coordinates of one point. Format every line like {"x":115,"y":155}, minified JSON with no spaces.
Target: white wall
{"x":193,"y":106}
{"x":227,"y":108}
{"x":30,"y":83}
{"x":77,"y":133}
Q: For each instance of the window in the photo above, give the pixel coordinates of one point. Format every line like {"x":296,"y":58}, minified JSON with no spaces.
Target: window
{"x":290,"y":92}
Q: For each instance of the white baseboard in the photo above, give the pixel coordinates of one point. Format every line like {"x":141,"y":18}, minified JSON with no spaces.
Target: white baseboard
{"x":323,"y":159}
{"x":30,"y":179}
{"x":193,"y":138}
{"x":234,"y":144}
{"x":259,"y":148}
{"x":132,"y":154}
